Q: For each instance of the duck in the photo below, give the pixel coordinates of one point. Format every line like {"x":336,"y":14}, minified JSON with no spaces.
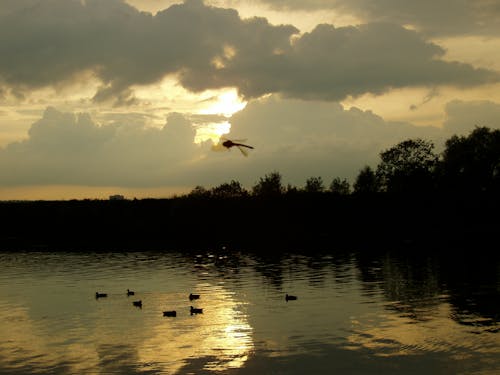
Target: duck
{"x":172,"y":313}
{"x":193,"y":296}
{"x":196,"y":311}
{"x":100,"y":295}
{"x":137,"y":303}
{"x":130,"y":293}
{"x":290,"y":298}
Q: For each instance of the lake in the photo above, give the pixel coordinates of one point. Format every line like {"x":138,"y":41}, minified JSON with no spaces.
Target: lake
{"x":398,"y":311}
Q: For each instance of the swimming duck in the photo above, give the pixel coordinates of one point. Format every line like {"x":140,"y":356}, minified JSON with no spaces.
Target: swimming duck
{"x":193,"y":296}
{"x":137,"y":303}
{"x":290,"y":298}
{"x":196,"y":311}
{"x":172,"y":314}
{"x":100,"y":295}
{"x":130,"y":293}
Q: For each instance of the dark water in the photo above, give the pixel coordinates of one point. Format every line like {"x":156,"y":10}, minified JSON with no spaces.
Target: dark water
{"x":383,"y":313}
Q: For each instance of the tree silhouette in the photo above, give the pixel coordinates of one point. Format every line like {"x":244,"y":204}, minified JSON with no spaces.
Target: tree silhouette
{"x":291,"y":189}
{"x":471,"y":163}
{"x":366,"y":181}
{"x":231,"y":189}
{"x":314,"y":185}
{"x":199,"y":192}
{"x":269,"y":185}
{"x":407,"y":166}
{"x":340,"y":187}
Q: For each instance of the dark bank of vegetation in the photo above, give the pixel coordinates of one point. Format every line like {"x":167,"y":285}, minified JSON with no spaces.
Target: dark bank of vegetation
{"x":414,"y":195}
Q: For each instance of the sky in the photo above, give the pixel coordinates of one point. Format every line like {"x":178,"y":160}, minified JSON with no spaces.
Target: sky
{"x":102,"y":97}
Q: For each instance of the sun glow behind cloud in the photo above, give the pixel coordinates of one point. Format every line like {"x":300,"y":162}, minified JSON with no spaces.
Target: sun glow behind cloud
{"x":211,"y":104}
{"x":227,"y":103}
{"x":152,"y":73}
{"x":212,"y":131}
{"x":224,"y":104}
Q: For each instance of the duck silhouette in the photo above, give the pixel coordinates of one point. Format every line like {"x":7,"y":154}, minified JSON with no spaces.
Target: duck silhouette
{"x":172,"y":313}
{"x":193,"y":296}
{"x":130,"y":293}
{"x":290,"y":298}
{"x":137,"y":304}
{"x":194,"y":310}
{"x":100,"y":295}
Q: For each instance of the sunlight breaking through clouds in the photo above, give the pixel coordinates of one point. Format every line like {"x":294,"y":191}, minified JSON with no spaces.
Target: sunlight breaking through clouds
{"x":224,"y":104}
{"x":131,"y":64}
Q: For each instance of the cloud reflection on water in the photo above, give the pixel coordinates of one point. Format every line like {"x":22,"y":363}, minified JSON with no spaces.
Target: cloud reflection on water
{"x":27,"y":346}
{"x":396,"y":336}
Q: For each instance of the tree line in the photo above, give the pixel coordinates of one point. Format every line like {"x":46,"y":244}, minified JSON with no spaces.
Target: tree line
{"x":468,"y":164}
{"x":413,"y":196}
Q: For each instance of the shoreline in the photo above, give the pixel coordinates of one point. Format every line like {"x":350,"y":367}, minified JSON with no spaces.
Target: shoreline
{"x":298,"y":222}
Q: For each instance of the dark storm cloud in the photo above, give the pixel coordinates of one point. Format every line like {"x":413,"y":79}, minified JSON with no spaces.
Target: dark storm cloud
{"x":432,"y":17}
{"x":50,"y":42}
{"x":332,"y":63}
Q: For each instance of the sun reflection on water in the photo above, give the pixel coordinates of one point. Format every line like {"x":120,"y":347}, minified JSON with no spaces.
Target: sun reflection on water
{"x":51,"y":323}
{"x":217,"y":340}
{"x":102,"y":341}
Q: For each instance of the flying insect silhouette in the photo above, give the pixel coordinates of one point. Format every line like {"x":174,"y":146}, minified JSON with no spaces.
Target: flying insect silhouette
{"x":226,"y":144}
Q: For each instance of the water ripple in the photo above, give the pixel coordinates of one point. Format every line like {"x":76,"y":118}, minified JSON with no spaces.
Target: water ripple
{"x":381,"y":309}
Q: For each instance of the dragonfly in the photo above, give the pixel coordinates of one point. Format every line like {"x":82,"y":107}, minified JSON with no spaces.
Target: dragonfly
{"x":226,"y":144}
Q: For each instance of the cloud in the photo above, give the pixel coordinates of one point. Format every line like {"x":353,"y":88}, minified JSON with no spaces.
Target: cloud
{"x":333,"y":63}
{"x":443,"y":17}
{"x":302,"y":139}
{"x":49,"y":43}
{"x":297,"y":138}
{"x":462,"y":117}
{"x":64,"y":148}
{"x":433,"y":93}
{"x":122,"y":46}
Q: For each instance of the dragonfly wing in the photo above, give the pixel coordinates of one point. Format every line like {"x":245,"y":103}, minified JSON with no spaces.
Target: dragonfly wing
{"x":243,"y":151}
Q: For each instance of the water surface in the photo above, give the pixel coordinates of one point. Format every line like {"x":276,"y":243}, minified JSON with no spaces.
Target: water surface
{"x":356,"y":313}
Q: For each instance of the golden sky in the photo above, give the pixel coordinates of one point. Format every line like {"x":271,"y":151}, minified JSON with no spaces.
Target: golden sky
{"x":127,"y":96}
